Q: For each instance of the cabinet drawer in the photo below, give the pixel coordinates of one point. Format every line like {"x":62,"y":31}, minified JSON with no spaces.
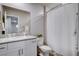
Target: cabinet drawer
{"x":17,"y":45}
{"x":29,"y":42}
{"x":3,"y":48}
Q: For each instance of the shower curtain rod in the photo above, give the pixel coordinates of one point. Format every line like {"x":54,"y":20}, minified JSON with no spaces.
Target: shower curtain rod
{"x":60,"y":5}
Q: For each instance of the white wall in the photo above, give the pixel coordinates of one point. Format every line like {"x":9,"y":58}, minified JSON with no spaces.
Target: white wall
{"x":37,"y":26}
{"x":60,"y":29}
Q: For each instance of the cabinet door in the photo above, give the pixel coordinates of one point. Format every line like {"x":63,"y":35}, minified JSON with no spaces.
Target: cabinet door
{"x":15,"y":48}
{"x":14,"y":52}
{"x":30,"y":49}
{"x":3,"y":49}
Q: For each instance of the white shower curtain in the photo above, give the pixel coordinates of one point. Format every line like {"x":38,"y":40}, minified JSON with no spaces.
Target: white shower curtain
{"x":60,"y":29}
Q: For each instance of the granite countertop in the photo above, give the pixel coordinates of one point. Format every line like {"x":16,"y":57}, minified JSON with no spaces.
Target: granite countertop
{"x":17,"y":38}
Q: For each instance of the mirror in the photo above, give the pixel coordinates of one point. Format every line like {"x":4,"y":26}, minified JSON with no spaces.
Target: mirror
{"x":16,"y":21}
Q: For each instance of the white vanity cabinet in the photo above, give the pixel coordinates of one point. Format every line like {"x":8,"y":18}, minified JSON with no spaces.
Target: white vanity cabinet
{"x":3,"y":49}
{"x":30,"y":49}
{"x":20,"y":48}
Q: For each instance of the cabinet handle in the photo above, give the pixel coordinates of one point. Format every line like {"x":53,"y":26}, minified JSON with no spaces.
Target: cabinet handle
{"x":2,"y":47}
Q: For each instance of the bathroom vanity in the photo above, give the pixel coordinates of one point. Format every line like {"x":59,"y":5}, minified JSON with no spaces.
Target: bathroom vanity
{"x":13,"y":20}
{"x":18,"y":46}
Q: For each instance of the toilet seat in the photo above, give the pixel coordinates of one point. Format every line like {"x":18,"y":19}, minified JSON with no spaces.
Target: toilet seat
{"x":45,"y":48}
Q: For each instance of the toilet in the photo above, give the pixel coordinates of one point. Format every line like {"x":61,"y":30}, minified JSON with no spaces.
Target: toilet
{"x":44,"y":49}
